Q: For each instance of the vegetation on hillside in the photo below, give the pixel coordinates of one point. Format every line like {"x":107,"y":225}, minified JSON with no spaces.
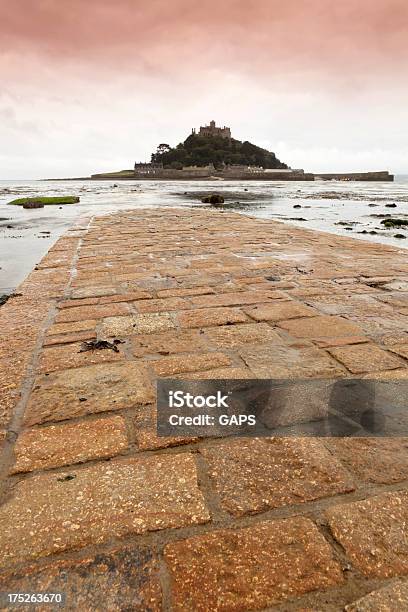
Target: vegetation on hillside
{"x":203,"y":150}
{"x":46,"y":200}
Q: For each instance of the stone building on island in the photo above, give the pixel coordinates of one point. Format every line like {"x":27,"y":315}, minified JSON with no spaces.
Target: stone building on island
{"x":213,"y":130}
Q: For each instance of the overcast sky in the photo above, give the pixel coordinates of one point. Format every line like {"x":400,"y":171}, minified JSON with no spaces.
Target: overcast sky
{"x":93,"y":85}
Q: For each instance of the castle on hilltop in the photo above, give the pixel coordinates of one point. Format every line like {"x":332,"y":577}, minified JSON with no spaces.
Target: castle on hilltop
{"x":213,"y":130}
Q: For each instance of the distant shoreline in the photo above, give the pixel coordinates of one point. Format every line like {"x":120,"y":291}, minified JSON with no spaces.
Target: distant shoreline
{"x":376,"y":176}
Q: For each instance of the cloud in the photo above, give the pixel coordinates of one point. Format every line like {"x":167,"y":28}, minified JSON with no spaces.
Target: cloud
{"x":93,"y":85}
{"x":295,"y":37}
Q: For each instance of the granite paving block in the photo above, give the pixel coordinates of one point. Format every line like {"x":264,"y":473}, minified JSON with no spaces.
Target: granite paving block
{"x":256,"y":475}
{"x":361,"y":358}
{"x":236,"y":299}
{"x":61,"y":339}
{"x":87,"y":292}
{"x":98,"y":388}
{"x":276,"y":361}
{"x":374,"y":533}
{"x":279,"y":311}
{"x":146,"y":323}
{"x":376,"y":460}
{"x":56,"y":512}
{"x":228,"y":336}
{"x":59,"y":445}
{"x":166,"y":343}
{"x":250,"y":568}
{"x":162,"y":305}
{"x":163,"y":293}
{"x":73,"y":326}
{"x":99,"y":311}
{"x":393,"y":597}
{"x":167,"y":366}
{"x":72,"y":356}
{"x":207,"y":317}
{"x":320,"y":327}
{"x":123,"y":579}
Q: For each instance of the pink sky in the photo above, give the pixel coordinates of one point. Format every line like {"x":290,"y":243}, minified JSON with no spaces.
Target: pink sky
{"x":92,"y":85}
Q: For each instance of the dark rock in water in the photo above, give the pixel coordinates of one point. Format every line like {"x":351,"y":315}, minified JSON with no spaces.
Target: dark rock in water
{"x":245,"y":189}
{"x":395,"y":222}
{"x":296,"y":219}
{"x":215,"y":198}
{"x":297,"y":206}
{"x":363,"y":232}
{"x":391,"y":206}
{"x":115,"y":185}
{"x":402,"y":236}
{"x":373,"y":204}
{"x":33,"y":204}
{"x":348,"y":229}
{"x":346,"y":223}
{"x":373,"y":232}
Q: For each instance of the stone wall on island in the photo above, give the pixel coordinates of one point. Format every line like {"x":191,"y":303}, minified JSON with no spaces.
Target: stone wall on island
{"x":383,"y":175}
{"x":197,"y":173}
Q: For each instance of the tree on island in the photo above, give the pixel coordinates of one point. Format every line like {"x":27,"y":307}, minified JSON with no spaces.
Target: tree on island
{"x":198,"y":150}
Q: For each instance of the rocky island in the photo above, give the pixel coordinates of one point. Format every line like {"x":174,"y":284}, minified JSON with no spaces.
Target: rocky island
{"x":212,"y":153}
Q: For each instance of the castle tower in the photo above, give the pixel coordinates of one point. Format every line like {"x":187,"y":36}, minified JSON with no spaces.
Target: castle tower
{"x":213,"y":130}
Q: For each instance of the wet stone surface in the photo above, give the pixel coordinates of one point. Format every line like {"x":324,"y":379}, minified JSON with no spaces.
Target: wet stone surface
{"x":280,"y":311}
{"x":206,"y":317}
{"x":390,"y":598}
{"x":62,"y":511}
{"x":274,"y":361}
{"x":231,"y":298}
{"x":366,"y":358}
{"x":106,"y":581}
{"x":88,"y":390}
{"x":375,"y":460}
{"x":256,"y":475}
{"x":58,"y":445}
{"x":148,"y":323}
{"x":374,"y":533}
{"x":318,"y":327}
{"x":251,"y":568}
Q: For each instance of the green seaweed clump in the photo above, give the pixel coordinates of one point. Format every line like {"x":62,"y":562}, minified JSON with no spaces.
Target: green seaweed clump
{"x":45,"y":201}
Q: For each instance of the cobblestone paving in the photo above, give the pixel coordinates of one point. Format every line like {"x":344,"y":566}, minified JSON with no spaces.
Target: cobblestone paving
{"x":94,"y":504}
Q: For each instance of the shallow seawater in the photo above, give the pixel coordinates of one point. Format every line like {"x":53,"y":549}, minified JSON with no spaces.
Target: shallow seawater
{"x":344,"y":208}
